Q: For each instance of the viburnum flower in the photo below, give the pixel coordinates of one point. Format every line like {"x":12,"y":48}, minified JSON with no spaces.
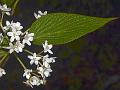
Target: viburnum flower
{"x":34,"y":81}
{"x":2,"y":72}
{"x":11,"y":48}
{"x":14,"y":35}
{"x":1,"y":38}
{"x":14,"y":32}
{"x":27,"y":73}
{"x":18,"y":47}
{"x":8,"y":25}
{"x":40,"y":14}
{"x":47,"y":48}
{"x":5,"y":9}
{"x":45,"y":72}
{"x":28,"y":38}
{"x":48,"y":60}
{"x":16,"y":26}
{"x":34,"y":59}
{"x":13,"y":26}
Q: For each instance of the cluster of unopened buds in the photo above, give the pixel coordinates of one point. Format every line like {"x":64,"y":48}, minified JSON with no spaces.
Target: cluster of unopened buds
{"x":16,"y":39}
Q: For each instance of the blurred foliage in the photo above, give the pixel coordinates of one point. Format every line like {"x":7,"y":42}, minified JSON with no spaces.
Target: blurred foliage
{"x":75,"y":84}
{"x":107,"y":59}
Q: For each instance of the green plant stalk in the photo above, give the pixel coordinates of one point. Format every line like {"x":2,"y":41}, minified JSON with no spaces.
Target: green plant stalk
{"x":40,"y":52}
{"x":28,"y":51}
{"x":2,"y":60}
{"x":14,"y":6}
{"x":1,"y":20}
{"x":20,"y":61}
{"x":1,"y":25}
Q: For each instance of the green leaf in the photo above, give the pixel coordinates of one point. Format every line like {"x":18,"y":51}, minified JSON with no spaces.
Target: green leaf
{"x":60,"y":28}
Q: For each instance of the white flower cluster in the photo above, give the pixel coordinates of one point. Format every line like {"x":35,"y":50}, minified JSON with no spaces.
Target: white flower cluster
{"x":5,"y":9}
{"x":17,"y":41}
{"x":43,"y":68}
{"x":40,"y":13}
{"x":17,"y":38}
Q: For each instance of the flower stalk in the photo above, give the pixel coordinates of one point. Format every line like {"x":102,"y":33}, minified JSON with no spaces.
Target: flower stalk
{"x":20,"y":61}
{"x":2,"y":60}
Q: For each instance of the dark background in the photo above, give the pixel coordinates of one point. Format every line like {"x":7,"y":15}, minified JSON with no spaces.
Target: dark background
{"x":90,"y":63}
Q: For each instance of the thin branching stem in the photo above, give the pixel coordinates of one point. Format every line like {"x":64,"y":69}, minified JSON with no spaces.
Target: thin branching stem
{"x":14,"y":6}
{"x":19,"y":60}
{"x":4,"y":57}
{"x":40,"y":52}
{"x":1,"y":20}
{"x":1,"y":25}
{"x":28,"y":51}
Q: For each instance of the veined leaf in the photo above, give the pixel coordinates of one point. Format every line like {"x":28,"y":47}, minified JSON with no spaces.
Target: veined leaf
{"x":60,"y":28}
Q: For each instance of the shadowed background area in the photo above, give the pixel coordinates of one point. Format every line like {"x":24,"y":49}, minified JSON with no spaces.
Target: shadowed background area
{"x":89,"y":63}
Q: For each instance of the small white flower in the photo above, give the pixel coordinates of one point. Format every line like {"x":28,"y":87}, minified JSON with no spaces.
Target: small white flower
{"x":34,"y":81}
{"x":34,"y":59}
{"x":40,"y":14}
{"x":47,"y":48}
{"x":8,"y":25}
{"x":46,"y":64}
{"x":5,"y":9}
{"x":2,"y":72}
{"x":11,"y":48}
{"x":18,"y":47}
{"x":16,"y":26}
{"x":27,"y":73}
{"x":14,"y":35}
{"x":45,"y":72}
{"x":1,"y":38}
{"x":28,"y":38}
{"x":48,"y":60}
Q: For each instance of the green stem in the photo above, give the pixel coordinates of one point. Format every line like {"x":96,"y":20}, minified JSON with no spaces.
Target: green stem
{"x":35,"y":74}
{"x":20,"y":61}
{"x":5,"y":61}
{"x":14,"y":6}
{"x":1,"y":25}
{"x":40,"y":52}
{"x":1,"y":20}
{"x":32,"y":53}
{"x":28,"y":51}
{"x":25,"y":31}
{"x":3,"y":58}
